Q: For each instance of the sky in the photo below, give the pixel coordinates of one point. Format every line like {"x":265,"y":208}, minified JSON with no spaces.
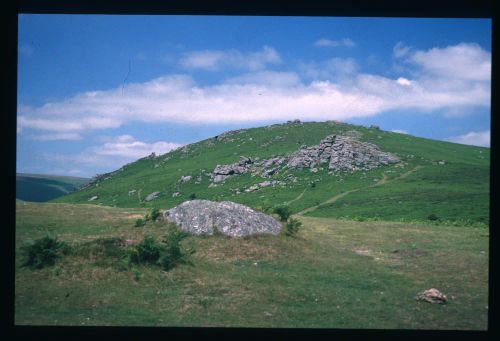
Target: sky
{"x":98,"y":91}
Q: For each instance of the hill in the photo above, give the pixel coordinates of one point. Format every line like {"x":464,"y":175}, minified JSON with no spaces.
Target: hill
{"x":42,"y":187}
{"x":422,"y":179}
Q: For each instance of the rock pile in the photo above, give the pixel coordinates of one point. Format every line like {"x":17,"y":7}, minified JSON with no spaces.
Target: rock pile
{"x":226,"y":217}
{"x":341,"y":153}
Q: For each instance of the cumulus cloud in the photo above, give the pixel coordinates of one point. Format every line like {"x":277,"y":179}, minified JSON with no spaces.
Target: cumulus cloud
{"x":480,"y":138}
{"x":400,"y":131}
{"x":109,"y":155}
{"x":57,"y":136}
{"x":323,"y":42}
{"x":214,"y":60}
{"x":333,"y":89}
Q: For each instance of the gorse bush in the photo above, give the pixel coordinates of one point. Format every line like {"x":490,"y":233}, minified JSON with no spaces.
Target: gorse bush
{"x":174,"y":253}
{"x":155,"y":214}
{"x":44,"y":252}
{"x":167,"y":253}
{"x":192,"y":196}
{"x":140,"y":222}
{"x":284,"y":212}
{"x":433,"y":217}
{"x":147,"y":251}
{"x":292,"y":227}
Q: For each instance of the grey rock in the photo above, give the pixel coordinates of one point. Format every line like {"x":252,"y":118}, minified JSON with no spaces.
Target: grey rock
{"x":229,"y":218}
{"x":185,"y":178}
{"x":152,"y":196}
{"x":94,"y":198}
{"x":131,"y":192}
{"x":176,"y":194}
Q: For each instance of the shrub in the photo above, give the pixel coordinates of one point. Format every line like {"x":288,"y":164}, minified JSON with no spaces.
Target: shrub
{"x":147,"y":251}
{"x":155,"y":214}
{"x":192,"y":196}
{"x":292,"y":227}
{"x":44,"y":252}
{"x":140,"y":222}
{"x":433,"y":217}
{"x":284,"y":212}
{"x":313,"y":184}
{"x":174,"y":253}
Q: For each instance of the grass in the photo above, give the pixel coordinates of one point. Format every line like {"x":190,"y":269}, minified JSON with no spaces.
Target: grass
{"x":446,"y":190}
{"x":334,"y":274}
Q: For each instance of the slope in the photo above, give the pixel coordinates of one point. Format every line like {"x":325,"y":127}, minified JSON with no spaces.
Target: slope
{"x":42,"y":187}
{"x":450,"y":181}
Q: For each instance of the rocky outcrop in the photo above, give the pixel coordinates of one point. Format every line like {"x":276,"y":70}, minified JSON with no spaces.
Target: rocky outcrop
{"x":340,"y":152}
{"x":226,"y":217}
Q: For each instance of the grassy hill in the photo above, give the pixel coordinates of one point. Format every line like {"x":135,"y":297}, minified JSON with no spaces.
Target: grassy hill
{"x":42,"y":187}
{"x":435,"y":179}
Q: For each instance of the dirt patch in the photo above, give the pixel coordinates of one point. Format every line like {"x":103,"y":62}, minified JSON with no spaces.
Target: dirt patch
{"x":135,"y":216}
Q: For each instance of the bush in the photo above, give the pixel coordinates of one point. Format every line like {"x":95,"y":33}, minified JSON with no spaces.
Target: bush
{"x":174,"y":253}
{"x":140,"y":222}
{"x":433,"y":217}
{"x":155,"y":214}
{"x":167,"y":254}
{"x":284,"y":212}
{"x":147,"y":251}
{"x":192,"y":196}
{"x":44,"y":252}
{"x":292,"y":227}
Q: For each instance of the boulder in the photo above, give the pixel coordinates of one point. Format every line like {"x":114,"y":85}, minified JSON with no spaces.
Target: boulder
{"x":152,"y":196}
{"x":226,"y":217}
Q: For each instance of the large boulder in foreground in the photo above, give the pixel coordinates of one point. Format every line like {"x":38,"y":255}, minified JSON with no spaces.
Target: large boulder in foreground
{"x":228,"y":218}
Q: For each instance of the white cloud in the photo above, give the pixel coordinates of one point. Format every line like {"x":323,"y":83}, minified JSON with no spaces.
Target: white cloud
{"x":400,"y":131}
{"x":481,"y":138}
{"x":335,"y":90}
{"x":214,"y":60}
{"x":323,"y":42}
{"x":400,"y":50}
{"x":403,"y":81}
{"x":57,"y":136}
{"x":109,"y":156}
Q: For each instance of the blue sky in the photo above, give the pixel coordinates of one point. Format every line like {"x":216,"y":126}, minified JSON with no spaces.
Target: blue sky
{"x":98,"y":91}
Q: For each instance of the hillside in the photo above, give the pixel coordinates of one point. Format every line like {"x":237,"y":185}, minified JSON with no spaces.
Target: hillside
{"x":432,"y":179}
{"x":42,"y":187}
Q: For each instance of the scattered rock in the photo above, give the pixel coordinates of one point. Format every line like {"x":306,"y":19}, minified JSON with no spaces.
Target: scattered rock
{"x":176,"y":194}
{"x":432,"y":296}
{"x":228,"y":218}
{"x":152,"y":196}
{"x":131,"y":192}
{"x":93,"y":198}
{"x":374,"y":126}
{"x":185,"y":178}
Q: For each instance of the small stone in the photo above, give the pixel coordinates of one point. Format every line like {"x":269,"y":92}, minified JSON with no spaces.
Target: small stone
{"x":432,"y":296}
{"x":152,"y":196}
{"x":93,"y":198}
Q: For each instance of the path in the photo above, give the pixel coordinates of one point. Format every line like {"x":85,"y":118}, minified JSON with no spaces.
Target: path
{"x":381,"y":182}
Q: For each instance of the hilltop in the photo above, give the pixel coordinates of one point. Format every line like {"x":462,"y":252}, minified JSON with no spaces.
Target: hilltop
{"x":373,"y":175}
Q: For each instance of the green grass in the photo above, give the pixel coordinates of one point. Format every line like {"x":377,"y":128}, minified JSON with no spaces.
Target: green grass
{"x":334,"y":274}
{"x":41,"y":188}
{"x":455,"y":191}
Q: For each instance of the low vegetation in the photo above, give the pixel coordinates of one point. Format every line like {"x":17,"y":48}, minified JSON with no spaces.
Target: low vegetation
{"x":333,"y":274}
{"x":43,"y":252}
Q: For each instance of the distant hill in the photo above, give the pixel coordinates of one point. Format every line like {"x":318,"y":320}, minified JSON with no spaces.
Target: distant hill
{"x":42,"y":187}
{"x":432,"y":180}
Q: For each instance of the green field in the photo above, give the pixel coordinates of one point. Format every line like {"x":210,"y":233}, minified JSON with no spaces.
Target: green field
{"x":41,"y":187}
{"x":335,"y":274}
